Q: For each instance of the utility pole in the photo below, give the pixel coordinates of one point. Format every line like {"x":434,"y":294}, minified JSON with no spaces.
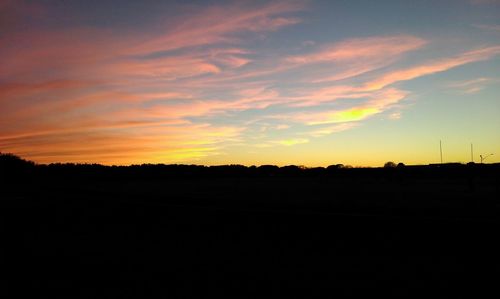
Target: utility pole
{"x":441,"y":151}
{"x":471,"y":153}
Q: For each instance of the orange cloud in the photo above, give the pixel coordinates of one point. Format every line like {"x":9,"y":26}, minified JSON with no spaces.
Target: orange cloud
{"x":11,"y":91}
{"x":115,"y":146}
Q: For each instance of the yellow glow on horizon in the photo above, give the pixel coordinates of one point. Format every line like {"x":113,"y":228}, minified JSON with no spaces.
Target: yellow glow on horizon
{"x":290,"y":142}
{"x":350,"y":115}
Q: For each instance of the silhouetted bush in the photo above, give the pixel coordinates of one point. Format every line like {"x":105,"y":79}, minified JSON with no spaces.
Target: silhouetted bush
{"x":334,"y":167}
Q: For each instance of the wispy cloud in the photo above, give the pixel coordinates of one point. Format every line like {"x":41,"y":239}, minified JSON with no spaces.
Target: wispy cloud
{"x":354,"y":57}
{"x":98,"y":90}
{"x":489,"y":27}
{"x":394,"y":116}
{"x":376,"y":95}
{"x":483,"y":2}
{"x":374,"y":104}
{"x":432,"y":67}
{"x":331,"y":129}
{"x":472,"y":86}
{"x":362,"y":48}
{"x":217,"y":23}
{"x":113,"y":145}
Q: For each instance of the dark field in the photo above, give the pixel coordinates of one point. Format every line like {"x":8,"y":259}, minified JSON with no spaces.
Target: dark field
{"x":97,"y":232}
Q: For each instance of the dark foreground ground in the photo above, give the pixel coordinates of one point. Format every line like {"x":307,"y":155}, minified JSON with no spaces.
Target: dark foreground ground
{"x":383,"y":232}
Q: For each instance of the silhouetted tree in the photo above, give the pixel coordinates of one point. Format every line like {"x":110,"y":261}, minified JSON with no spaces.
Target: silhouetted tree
{"x":268,"y":170}
{"x":291,"y":170}
{"x":390,"y":164}
{"x":11,"y":161}
{"x":13,"y":167}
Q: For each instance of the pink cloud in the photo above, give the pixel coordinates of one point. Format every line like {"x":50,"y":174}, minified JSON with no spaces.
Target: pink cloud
{"x":432,"y":67}
{"x":355,"y":57}
{"x":352,"y":70}
{"x":103,"y":53}
{"x":362,"y":48}
{"x":169,"y":68}
{"x":232,"y":61}
{"x":215,"y":24}
{"x":365,"y":90}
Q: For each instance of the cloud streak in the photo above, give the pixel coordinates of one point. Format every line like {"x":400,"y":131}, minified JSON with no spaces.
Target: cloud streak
{"x":488,"y":27}
{"x":217,"y":24}
{"x":369,"y":48}
{"x":432,"y":67}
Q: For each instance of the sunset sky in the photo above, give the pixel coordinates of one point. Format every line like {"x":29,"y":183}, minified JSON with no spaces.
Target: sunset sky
{"x":309,"y":83}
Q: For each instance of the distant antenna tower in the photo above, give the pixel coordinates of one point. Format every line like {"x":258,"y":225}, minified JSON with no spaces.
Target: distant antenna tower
{"x":441,"y":151}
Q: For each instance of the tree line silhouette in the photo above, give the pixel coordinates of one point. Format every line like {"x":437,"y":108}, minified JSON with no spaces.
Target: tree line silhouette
{"x":13,"y":167}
